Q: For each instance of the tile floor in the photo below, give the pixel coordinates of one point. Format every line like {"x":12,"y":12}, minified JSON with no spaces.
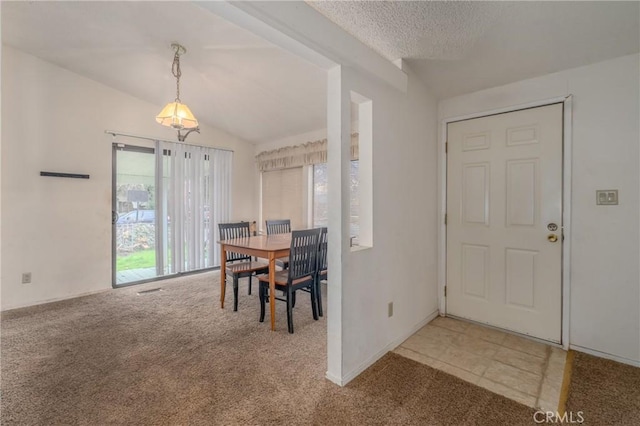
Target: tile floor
{"x":518,"y":368}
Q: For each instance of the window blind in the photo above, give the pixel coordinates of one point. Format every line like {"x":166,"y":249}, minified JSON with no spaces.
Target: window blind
{"x":282,"y":196}
{"x":196,"y":197}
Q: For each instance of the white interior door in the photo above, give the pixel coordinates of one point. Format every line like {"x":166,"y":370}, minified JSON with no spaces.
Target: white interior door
{"x":504,"y":210}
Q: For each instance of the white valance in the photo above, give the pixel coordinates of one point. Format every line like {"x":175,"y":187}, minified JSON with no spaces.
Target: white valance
{"x":300,"y":155}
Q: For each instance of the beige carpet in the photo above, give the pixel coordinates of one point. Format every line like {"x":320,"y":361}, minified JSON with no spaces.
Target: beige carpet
{"x":175,"y":358}
{"x":605,"y":392}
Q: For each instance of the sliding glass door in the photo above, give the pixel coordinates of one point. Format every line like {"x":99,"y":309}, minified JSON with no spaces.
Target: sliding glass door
{"x":134,"y":218}
{"x":168,"y":201}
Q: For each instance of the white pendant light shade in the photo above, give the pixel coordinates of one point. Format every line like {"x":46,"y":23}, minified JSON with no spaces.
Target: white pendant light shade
{"x":178,"y":116}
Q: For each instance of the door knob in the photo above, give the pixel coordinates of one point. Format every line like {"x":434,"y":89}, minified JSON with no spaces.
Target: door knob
{"x":552,"y":237}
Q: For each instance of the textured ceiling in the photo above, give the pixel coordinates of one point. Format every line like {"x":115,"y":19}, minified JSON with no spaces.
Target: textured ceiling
{"x":231,"y":79}
{"x":460,"y":47}
{"x":414,"y":29}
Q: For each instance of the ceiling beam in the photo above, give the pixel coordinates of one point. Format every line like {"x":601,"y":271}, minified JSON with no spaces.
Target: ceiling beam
{"x":300,"y":29}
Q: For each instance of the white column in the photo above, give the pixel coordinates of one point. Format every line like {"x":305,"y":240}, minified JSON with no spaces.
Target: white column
{"x":338,"y":168}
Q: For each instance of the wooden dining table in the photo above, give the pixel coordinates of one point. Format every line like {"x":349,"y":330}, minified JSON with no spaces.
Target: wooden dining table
{"x":269,"y":247}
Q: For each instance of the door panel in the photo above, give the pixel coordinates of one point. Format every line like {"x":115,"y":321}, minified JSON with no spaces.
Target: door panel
{"x":504,"y":186}
{"x":475,"y":270}
{"x":522,"y":196}
{"x":475,"y":201}
{"x":134,"y":228}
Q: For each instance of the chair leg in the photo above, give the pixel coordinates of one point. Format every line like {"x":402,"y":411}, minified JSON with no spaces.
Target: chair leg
{"x":290,"y":294}
{"x":249,"y":285}
{"x":261,"y":293}
{"x":318,"y":285}
{"x":235,"y":293}
{"x":293,"y":299}
{"x":314,"y":306}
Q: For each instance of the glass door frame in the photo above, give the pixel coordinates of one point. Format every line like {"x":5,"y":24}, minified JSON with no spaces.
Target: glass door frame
{"x":160,"y":213}
{"x":114,"y":209}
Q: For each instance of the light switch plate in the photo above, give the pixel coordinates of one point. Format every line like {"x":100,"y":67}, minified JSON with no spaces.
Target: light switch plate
{"x":607,"y":197}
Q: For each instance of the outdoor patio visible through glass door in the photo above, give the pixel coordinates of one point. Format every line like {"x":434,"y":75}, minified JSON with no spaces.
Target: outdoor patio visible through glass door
{"x":135,"y":218}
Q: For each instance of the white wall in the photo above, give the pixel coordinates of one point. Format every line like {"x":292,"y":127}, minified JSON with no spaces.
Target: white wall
{"x":1,"y":52}
{"x":401,"y":265}
{"x":605,"y":283}
{"x":60,"y":229}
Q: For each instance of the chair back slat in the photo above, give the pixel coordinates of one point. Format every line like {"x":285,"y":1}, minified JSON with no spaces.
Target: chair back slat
{"x":322,"y":252}
{"x":229,"y":231}
{"x":303,"y":254}
{"x":278,"y":226}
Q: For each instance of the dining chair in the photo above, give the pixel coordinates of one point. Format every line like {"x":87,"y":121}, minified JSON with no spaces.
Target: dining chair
{"x":281,"y":226}
{"x":322,"y":273}
{"x":303,"y":264}
{"x":240,"y":265}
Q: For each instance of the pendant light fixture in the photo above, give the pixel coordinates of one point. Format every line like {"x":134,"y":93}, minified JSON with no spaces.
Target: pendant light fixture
{"x":176,"y":114}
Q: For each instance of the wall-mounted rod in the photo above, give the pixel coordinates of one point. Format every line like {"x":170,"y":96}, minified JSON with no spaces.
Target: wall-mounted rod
{"x":130,"y":135}
{"x":64,"y":175}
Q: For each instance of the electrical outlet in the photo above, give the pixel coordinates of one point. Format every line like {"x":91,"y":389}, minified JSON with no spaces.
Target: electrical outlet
{"x":26,"y":278}
{"x":390,"y":309}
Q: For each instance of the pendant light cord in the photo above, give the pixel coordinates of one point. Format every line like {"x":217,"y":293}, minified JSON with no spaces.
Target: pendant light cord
{"x":175,"y":70}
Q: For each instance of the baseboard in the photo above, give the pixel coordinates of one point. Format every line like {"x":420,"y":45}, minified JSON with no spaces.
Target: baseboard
{"x":391,"y":346}
{"x":57,"y":299}
{"x":155,"y":281}
{"x":334,"y":379}
{"x":395,"y":343}
{"x":632,"y":362}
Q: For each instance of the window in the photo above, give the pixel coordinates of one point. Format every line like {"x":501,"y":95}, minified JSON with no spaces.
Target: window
{"x":295,"y":186}
{"x":167,"y":202}
{"x":320,"y":202}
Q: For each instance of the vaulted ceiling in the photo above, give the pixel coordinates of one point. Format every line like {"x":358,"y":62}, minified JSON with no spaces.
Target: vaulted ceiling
{"x":238,"y":82}
{"x":231,"y":78}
